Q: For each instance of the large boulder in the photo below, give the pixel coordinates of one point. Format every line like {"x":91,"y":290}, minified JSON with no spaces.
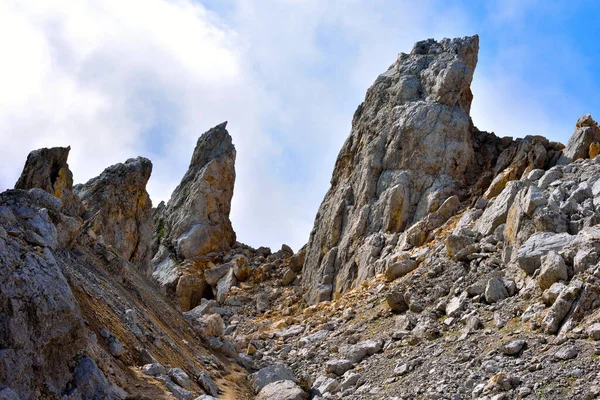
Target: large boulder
{"x":587,"y":133}
{"x":119,"y":209}
{"x":270,"y":374}
{"x":529,"y":256}
{"x":407,"y":153}
{"x":282,"y":390}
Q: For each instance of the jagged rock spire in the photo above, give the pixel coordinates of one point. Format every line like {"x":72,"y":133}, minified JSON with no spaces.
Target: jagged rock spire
{"x":408,"y":151}
{"x":195,"y":221}
{"x":119,"y":208}
{"x":47,"y":169}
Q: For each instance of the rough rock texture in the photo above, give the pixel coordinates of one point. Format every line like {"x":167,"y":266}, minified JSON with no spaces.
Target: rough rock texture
{"x":47,"y":169}
{"x":412,"y":160}
{"x":196,"y":219}
{"x":408,"y":151}
{"x":282,"y":390}
{"x":77,"y":318}
{"x":118,"y":209}
{"x":43,"y":331}
{"x":195,"y":222}
{"x":584,"y":140}
{"x":491,"y":293}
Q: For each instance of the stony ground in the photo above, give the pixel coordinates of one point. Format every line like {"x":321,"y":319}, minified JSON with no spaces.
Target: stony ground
{"x":467,"y":322}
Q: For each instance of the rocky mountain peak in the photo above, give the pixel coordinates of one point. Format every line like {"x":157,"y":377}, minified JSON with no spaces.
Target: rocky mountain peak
{"x":406,"y":156}
{"x":195,"y":221}
{"x":47,"y":169}
{"x":118,"y":209}
{"x":457,"y":264}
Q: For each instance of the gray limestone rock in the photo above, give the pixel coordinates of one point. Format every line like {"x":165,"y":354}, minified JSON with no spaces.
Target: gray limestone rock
{"x":407,"y":153}
{"x":495,"y":290}
{"x":357,"y":352}
{"x":43,"y":332}
{"x":47,"y":169}
{"x":206,"y":382}
{"x":540,"y":243}
{"x":119,"y":208}
{"x":553,"y":270}
{"x":196,"y":221}
{"x":273,"y":373}
{"x":586,"y":133}
{"x":496,"y":213}
{"x":338,"y":367}
{"x":282,"y":390}
{"x":561,"y":307}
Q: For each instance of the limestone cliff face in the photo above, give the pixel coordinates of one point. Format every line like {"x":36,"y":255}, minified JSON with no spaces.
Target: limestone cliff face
{"x":413,"y":158}
{"x":407,"y":153}
{"x":47,"y":169}
{"x":119,"y":209}
{"x":195,"y":221}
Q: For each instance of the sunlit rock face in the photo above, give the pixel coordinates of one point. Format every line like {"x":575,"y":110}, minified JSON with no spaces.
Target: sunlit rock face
{"x":195,"y":221}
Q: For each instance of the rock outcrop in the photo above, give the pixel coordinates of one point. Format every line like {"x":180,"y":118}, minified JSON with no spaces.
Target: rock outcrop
{"x":42,"y":331}
{"x":76,"y":317}
{"x":407,"y":153}
{"x":195,"y":221}
{"x":413,"y":159}
{"x":584,"y":141}
{"x":118,"y":208}
{"x":47,"y":169}
{"x":478,"y":260}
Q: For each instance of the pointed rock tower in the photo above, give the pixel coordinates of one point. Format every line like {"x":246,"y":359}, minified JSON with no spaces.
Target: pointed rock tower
{"x":195,"y":221}
{"x":47,"y":169}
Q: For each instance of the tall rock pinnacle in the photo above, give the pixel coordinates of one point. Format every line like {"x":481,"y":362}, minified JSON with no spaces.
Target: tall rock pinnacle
{"x":196,"y":221}
{"x":408,"y":152}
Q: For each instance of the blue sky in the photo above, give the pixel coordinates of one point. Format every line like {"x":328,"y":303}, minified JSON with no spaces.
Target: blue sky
{"x":118,"y":79}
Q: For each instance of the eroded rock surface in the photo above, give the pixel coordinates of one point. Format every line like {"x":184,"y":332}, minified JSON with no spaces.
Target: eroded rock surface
{"x":408,"y":151}
{"x":195,"y":221}
{"x":47,"y":169}
{"x":118,"y":208}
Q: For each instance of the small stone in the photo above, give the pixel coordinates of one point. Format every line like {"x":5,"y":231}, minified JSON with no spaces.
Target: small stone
{"x":593,"y":331}
{"x":456,"y":305}
{"x":338,"y":367}
{"x":288,"y":277}
{"x":115,"y":348}
{"x":154,"y":369}
{"x":180,"y":377}
{"x":361,"y":350}
{"x":396,"y":301}
{"x":553,"y":270}
{"x":324,"y":384}
{"x":401,"y":369}
{"x":350,"y":380}
{"x":513,"y":348}
{"x":206,"y":383}
{"x":566,"y":353}
{"x":495,"y":291}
